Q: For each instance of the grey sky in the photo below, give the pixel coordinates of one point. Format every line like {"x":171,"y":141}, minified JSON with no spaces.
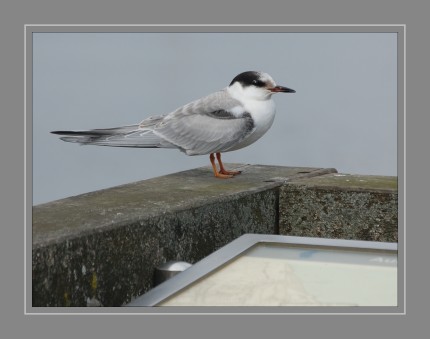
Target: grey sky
{"x":343,"y":115}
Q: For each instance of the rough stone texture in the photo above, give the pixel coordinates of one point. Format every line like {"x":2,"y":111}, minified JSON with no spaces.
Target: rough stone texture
{"x":340,"y":206}
{"x":101,"y":248}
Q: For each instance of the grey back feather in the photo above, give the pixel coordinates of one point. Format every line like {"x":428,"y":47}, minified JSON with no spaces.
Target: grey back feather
{"x":205,"y":125}
{"x":200,"y":127}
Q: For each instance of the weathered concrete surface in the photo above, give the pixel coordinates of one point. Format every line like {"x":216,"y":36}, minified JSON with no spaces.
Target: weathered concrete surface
{"x":340,"y":206}
{"x":101,"y":248}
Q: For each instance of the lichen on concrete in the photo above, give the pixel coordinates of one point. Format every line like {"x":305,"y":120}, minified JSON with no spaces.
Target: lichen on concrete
{"x":342,"y":207}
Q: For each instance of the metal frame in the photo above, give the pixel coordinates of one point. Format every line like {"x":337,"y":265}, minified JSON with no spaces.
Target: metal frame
{"x":237,"y":247}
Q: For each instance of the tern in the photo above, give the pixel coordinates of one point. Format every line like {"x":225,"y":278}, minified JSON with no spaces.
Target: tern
{"x":224,"y":121}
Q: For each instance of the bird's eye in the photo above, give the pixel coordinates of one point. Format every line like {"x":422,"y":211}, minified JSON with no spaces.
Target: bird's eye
{"x":258,"y":83}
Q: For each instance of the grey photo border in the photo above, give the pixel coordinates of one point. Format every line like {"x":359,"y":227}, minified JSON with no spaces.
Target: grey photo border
{"x":401,"y":55}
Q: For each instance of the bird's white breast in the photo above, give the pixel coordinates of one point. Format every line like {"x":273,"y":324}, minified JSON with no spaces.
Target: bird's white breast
{"x":259,"y":104}
{"x":263,"y":114}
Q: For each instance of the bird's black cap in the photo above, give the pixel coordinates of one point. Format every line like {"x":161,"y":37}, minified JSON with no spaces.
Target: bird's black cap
{"x":248,"y":78}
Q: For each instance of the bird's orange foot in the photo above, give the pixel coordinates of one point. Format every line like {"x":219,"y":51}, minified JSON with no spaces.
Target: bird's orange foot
{"x":231,"y":173}
{"x":220,"y":175}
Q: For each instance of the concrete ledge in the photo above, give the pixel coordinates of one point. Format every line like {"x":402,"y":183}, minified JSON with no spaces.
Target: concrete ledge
{"x":101,"y":248}
{"x":340,"y":206}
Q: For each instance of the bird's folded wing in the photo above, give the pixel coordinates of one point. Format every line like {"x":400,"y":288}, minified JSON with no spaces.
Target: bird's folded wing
{"x":212,"y":124}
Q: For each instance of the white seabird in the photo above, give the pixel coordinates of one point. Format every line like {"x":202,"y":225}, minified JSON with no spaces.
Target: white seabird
{"x":224,"y":121}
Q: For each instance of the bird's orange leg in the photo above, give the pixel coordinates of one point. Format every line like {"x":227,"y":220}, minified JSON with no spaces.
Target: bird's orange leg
{"x":222,"y":170}
{"x":218,"y":174}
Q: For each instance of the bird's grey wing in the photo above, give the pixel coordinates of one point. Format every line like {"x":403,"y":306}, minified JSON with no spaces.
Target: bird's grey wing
{"x":212,"y":124}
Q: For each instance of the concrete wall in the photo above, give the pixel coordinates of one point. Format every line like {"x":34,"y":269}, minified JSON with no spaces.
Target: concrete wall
{"x":340,"y":206}
{"x":101,"y":248}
